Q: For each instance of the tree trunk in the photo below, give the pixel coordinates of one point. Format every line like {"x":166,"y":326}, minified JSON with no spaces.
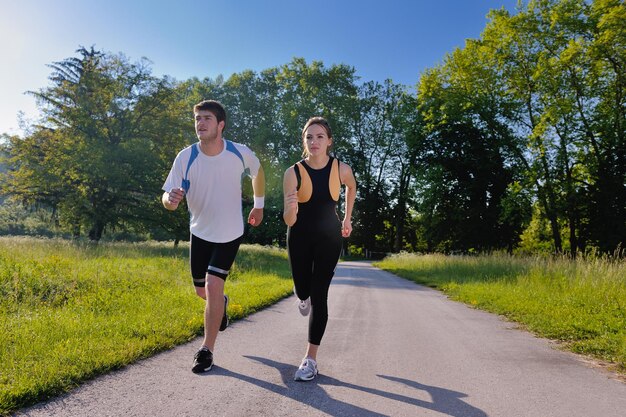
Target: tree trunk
{"x":95,"y":234}
{"x":76,"y":231}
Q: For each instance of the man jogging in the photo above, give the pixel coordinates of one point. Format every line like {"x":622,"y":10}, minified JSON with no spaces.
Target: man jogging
{"x":209,"y":175}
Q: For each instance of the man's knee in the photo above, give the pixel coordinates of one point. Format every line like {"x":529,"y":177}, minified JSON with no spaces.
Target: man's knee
{"x":214,"y":285}
{"x":201,"y":292}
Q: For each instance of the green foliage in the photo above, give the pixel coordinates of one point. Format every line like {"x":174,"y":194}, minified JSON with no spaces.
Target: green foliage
{"x":531,"y":113}
{"x":17,"y":219}
{"x":468,"y":156}
{"x":383,"y":159}
{"x":537,"y":237}
{"x":69,"y":312}
{"x":93,"y":160}
{"x":575,"y":130}
{"x":581,"y":303}
{"x":549,"y":107}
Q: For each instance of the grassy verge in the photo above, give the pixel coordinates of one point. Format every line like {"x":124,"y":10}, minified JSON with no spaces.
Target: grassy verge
{"x":69,"y":312}
{"x":580,"y":303}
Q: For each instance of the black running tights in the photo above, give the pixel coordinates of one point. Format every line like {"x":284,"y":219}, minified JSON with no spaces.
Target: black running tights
{"x":313,"y":263}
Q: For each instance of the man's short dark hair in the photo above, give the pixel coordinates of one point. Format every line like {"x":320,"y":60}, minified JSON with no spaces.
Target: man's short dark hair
{"x":214,"y":107}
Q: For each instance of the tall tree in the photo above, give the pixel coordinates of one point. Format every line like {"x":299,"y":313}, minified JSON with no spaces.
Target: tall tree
{"x":377,"y":144}
{"x":468,"y":153}
{"x":555,"y":59}
{"x":268,"y":110}
{"x":96,"y":141}
{"x":409,"y":126}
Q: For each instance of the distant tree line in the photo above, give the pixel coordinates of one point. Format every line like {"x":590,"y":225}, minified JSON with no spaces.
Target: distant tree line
{"x":515,"y":141}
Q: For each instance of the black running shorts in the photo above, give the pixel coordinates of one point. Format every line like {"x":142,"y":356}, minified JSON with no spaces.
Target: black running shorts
{"x":213,"y":258}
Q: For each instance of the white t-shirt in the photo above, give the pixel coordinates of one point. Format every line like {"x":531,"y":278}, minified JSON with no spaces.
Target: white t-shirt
{"x":214,"y":197}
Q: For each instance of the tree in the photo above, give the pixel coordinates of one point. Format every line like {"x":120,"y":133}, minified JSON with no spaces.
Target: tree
{"x":563,"y":60}
{"x":377,"y":146}
{"x":267,"y":112}
{"x":93,"y":155}
{"x":409,"y":126}
{"x":468,"y":155}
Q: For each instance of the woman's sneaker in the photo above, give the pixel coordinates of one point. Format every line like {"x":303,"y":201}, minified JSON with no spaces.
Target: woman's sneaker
{"x":202,"y":361}
{"x":307,"y":370}
{"x":304,"y":306}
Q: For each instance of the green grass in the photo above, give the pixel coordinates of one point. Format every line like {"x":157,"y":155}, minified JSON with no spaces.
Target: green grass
{"x":580,"y":303}
{"x":69,"y":312}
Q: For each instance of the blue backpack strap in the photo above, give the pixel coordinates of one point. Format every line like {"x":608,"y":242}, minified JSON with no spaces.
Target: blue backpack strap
{"x":232,"y":148}
{"x":185,"y":185}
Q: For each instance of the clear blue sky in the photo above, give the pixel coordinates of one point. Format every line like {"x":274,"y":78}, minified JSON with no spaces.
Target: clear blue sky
{"x":395,"y":39}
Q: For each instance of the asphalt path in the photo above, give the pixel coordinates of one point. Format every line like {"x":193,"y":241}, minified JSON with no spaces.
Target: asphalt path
{"x":391,"y":348}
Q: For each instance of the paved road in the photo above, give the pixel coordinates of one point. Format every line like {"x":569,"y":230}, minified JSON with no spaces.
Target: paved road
{"x":392,"y":348}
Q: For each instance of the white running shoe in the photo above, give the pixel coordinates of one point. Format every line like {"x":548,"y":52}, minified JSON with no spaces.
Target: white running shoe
{"x":304,"y":306}
{"x":307,"y":370}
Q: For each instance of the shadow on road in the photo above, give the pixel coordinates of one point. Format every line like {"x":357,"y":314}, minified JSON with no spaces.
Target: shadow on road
{"x":312,"y":393}
{"x":444,"y":400}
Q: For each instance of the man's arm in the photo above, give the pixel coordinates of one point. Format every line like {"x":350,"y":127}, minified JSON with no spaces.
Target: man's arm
{"x":172,"y":199}
{"x":258,"y":187}
{"x":258,"y":183}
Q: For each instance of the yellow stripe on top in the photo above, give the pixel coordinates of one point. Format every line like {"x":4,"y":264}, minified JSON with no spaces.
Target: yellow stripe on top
{"x":305,"y":189}
{"x":306,"y":185}
{"x":334,"y":182}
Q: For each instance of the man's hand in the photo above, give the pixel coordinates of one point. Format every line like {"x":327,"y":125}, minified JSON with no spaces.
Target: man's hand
{"x":256,"y":216}
{"x":172,"y":199}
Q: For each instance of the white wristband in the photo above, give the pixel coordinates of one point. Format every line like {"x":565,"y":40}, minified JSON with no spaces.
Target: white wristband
{"x":259,"y":202}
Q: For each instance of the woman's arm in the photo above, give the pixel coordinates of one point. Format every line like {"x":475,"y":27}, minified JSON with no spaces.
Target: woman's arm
{"x":290,"y":193}
{"x":347,"y":178}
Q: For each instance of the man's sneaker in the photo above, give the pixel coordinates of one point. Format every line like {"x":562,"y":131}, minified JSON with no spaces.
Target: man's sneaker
{"x":307,"y":370}
{"x":202,"y":361}
{"x":224,"y":324}
{"x":304,"y":306}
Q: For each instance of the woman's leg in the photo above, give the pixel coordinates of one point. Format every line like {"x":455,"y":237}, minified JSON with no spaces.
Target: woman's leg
{"x":325,"y":260}
{"x":301,"y":263}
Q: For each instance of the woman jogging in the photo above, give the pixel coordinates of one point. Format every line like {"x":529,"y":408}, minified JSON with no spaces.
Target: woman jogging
{"x":312,"y":188}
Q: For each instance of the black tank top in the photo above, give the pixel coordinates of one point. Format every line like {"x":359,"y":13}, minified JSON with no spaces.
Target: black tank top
{"x":318,"y":193}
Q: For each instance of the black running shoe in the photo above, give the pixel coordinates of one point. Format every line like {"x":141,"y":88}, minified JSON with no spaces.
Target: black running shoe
{"x":224,"y":324}
{"x":202,"y":361}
